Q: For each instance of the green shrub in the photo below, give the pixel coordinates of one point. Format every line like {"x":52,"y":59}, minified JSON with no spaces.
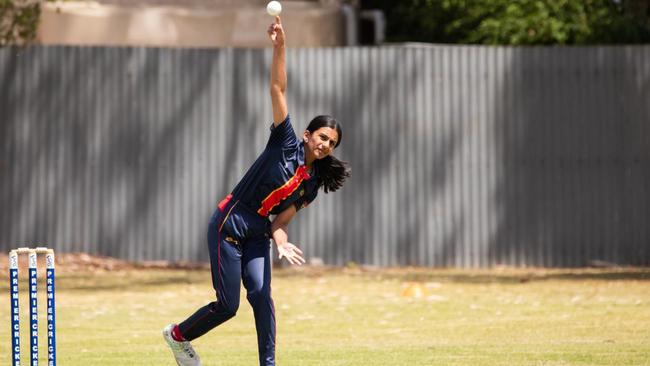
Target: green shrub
{"x":513,"y":22}
{"x":18,"y":21}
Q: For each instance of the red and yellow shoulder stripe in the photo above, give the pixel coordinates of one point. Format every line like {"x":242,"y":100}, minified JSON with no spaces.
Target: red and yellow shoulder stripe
{"x":274,"y":198}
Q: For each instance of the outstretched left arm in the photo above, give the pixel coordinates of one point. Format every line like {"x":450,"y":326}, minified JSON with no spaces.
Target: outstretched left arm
{"x":280,"y":236}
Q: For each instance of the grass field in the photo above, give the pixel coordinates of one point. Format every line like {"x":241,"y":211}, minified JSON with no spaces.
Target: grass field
{"x":361,"y":317}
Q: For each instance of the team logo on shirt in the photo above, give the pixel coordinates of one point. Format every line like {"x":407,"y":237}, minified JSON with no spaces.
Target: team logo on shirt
{"x":231,"y":240}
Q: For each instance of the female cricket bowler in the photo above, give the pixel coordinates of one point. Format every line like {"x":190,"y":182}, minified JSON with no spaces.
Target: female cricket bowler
{"x":283,"y":179}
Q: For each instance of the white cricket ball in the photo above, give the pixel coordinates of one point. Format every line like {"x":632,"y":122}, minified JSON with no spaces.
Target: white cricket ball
{"x":274,"y":8}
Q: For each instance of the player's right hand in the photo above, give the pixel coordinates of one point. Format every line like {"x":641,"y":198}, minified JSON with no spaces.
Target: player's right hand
{"x":276,"y":32}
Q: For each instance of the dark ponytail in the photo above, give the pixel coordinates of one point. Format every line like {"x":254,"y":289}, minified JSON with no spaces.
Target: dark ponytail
{"x":331,"y":171}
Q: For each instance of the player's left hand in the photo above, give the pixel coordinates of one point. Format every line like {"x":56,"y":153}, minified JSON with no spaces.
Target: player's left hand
{"x":291,"y":252}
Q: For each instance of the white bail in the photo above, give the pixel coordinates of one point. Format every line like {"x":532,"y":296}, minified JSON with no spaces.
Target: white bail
{"x":32,"y":259}
{"x":13,"y":259}
{"x":49,"y":260}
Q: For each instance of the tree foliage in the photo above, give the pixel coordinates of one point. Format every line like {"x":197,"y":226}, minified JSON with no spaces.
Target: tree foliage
{"x":18,"y":21}
{"x":513,"y":22}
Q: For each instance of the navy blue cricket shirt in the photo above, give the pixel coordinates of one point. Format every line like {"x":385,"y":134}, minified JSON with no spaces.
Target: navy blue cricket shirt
{"x":279,"y":177}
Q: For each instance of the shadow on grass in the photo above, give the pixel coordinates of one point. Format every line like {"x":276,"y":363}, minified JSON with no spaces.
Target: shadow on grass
{"x":497,"y":275}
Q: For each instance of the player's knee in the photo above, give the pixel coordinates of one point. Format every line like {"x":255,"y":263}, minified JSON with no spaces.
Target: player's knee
{"x":258,"y":294}
{"x":224,"y":308}
{"x":231,"y":312}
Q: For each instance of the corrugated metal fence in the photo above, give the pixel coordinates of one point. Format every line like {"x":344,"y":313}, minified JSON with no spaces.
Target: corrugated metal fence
{"x":461,"y":156}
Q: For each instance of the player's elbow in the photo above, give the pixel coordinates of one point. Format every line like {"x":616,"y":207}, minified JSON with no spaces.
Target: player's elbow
{"x":277,"y":89}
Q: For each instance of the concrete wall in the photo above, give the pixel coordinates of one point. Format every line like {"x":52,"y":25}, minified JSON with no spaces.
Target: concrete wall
{"x":308,"y":24}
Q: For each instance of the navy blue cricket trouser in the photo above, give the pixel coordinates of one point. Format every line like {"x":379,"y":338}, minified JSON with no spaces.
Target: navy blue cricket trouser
{"x":239,"y":252}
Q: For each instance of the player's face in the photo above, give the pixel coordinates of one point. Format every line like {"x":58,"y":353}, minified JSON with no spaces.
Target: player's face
{"x":321,"y":142}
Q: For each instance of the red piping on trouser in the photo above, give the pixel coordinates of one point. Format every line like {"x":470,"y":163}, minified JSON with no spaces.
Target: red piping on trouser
{"x":222,"y":206}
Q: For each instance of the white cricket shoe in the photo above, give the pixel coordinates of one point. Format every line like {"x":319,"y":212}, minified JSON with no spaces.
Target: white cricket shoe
{"x":183,"y":351}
